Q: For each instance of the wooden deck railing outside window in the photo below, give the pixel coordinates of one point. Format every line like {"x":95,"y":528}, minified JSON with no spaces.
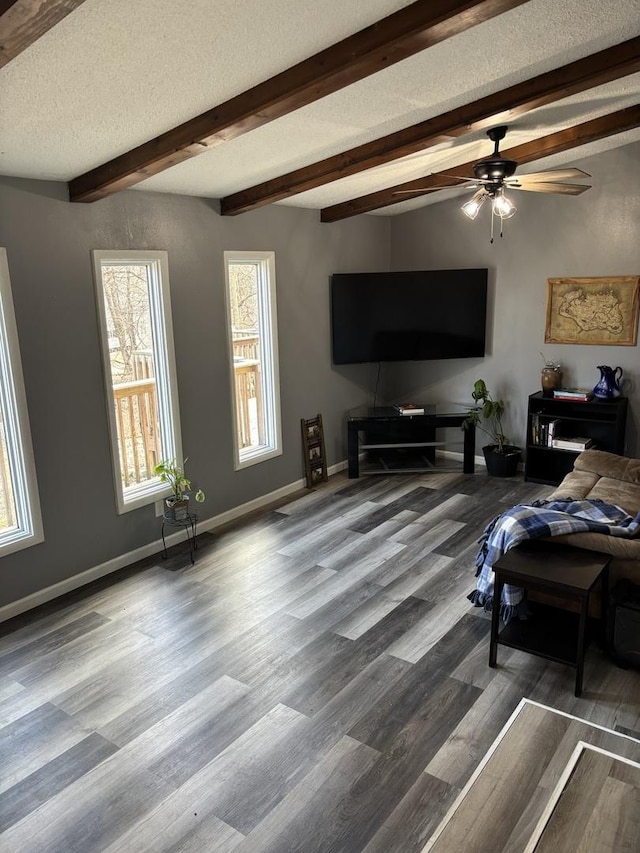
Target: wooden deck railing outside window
{"x":137,"y":411}
{"x":7,"y":504}
{"x":138,"y":429}
{"x":249,"y":409}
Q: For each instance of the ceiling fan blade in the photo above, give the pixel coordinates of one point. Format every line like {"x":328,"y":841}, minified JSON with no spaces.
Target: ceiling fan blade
{"x":469,"y":186}
{"x":457,"y":177}
{"x":467,"y":183}
{"x":552,"y":187}
{"x":551,"y":175}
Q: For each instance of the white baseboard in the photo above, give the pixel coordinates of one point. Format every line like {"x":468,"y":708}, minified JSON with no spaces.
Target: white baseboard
{"x":479,"y":460}
{"x":456,"y":454}
{"x":42,"y":596}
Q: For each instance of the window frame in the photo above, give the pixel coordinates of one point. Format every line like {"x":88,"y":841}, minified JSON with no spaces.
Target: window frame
{"x":269,"y":356}
{"x":166,"y":374}
{"x":19,"y":445}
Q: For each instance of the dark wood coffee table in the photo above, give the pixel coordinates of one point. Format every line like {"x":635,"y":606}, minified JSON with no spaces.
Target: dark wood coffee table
{"x":560,"y":570}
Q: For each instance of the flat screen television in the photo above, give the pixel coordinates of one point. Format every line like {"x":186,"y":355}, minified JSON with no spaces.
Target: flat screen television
{"x":408,"y":316}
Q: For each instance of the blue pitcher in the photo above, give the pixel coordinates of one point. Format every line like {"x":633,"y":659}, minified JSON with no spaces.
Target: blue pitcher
{"x":609,"y":384}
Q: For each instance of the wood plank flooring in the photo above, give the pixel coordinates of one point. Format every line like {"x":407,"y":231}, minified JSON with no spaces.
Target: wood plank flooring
{"x":316,"y":682}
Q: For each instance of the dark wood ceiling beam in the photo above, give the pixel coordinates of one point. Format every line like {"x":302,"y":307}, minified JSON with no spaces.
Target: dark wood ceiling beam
{"x":396,"y":37}
{"x":23,"y":21}
{"x":498,"y":108}
{"x":555,"y":143}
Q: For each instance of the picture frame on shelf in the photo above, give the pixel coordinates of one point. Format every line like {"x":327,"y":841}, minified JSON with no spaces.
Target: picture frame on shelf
{"x":317,"y":475}
{"x":600,"y":311}
{"x":312,"y":429}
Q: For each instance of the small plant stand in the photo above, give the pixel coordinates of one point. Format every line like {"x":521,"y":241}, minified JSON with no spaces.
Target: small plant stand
{"x":188,"y":523}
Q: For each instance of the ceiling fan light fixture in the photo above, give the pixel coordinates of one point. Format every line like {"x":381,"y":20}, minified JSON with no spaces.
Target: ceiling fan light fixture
{"x":472,"y":207}
{"x":501,"y":205}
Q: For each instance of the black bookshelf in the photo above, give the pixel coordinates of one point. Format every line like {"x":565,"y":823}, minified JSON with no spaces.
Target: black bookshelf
{"x":603,"y":421}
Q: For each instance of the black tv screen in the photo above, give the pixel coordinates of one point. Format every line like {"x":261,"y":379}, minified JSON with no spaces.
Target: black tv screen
{"x":408,"y":316}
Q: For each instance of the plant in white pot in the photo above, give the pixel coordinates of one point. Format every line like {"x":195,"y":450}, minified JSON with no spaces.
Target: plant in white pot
{"x":500,"y":456}
{"x":177,"y":504}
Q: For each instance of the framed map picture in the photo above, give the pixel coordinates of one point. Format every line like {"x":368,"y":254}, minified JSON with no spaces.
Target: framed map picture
{"x":593,"y":311}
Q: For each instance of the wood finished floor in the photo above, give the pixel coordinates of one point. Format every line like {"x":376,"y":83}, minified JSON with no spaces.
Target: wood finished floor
{"x":316,"y":682}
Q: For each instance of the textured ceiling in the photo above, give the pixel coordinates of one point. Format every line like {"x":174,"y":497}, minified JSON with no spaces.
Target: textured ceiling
{"x":115,"y":73}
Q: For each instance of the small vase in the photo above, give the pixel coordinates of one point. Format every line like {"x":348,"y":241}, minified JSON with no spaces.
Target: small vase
{"x":550,"y":379}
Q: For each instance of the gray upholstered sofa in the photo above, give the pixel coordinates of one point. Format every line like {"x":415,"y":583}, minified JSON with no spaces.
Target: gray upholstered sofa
{"x":615,"y":480}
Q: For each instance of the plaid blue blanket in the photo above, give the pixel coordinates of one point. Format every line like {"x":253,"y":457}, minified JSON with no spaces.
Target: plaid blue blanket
{"x":533,"y":521}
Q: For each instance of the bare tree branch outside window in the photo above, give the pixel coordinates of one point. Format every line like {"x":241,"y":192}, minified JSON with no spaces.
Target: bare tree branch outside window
{"x":126,"y":292}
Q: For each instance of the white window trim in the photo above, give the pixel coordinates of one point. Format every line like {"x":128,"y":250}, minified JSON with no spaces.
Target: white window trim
{"x":24,"y":481}
{"x":152,"y":490}
{"x":269,"y":360}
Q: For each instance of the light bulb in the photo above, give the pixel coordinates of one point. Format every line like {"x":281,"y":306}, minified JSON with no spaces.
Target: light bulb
{"x":502,"y":207}
{"x":470,"y":208}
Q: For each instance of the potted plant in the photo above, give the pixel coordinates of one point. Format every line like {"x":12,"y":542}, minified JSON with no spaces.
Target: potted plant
{"x":177,"y":504}
{"x":501,"y":458}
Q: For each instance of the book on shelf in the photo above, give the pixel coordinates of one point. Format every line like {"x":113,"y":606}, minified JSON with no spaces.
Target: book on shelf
{"x":552,"y":429}
{"x":580,"y":394}
{"x":543,"y":431}
{"x":409,"y":409}
{"x":577,"y":443}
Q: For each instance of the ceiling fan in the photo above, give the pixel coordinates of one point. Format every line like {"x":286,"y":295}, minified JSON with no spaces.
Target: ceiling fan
{"x":495,"y":174}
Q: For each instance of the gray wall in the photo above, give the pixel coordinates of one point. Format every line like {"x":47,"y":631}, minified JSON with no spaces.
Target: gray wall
{"x":594,"y":234}
{"x":48,"y":242}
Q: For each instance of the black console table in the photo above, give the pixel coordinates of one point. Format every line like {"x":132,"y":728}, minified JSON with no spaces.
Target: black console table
{"x":406,"y":443}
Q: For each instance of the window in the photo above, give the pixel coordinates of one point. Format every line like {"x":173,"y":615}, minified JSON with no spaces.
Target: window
{"x":253,"y":353}
{"x":20,"y":522}
{"x":139,"y":367}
